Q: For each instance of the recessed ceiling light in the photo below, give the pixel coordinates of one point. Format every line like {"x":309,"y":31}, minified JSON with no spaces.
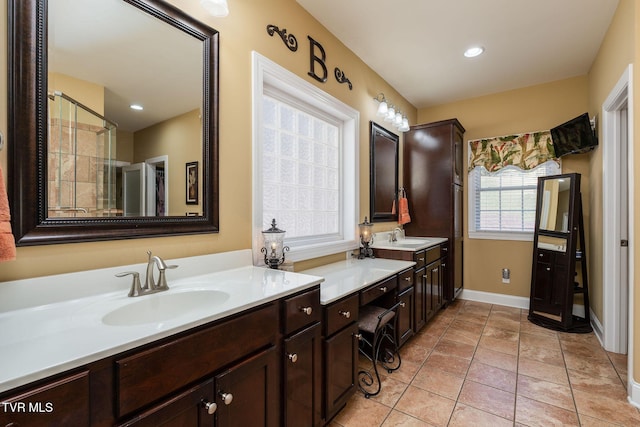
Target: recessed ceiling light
{"x":472,"y":52}
{"x":136,"y":107}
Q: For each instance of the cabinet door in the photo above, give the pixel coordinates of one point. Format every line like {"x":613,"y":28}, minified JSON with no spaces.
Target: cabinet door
{"x":405,"y":316}
{"x":64,"y":402}
{"x":303,"y":377}
{"x":419,"y":300}
{"x":185,"y":409}
{"x":434,"y":289}
{"x":248,"y":394}
{"x":340,"y":363}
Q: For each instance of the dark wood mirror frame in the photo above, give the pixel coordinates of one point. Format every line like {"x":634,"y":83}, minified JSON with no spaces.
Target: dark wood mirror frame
{"x":383,"y":173}
{"x":27,"y":135}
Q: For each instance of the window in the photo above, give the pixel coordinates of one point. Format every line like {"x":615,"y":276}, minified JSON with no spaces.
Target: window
{"x":305,"y":168}
{"x":502,"y":205}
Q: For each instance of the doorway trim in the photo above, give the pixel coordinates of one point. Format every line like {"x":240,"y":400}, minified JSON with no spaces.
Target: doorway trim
{"x":616,"y":296}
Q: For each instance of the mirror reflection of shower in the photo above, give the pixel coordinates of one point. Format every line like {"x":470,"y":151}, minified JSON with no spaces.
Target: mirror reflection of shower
{"x":81,"y":161}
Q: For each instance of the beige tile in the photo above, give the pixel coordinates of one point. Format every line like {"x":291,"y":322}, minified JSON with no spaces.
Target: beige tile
{"x":585,"y":350}
{"x":434,"y":328}
{"x":531,"y":328}
{"x":500,"y":340}
{"x":426,"y":406}
{"x":605,"y":408}
{"x":438,"y":381}
{"x":546,"y":392}
{"x":362,"y":412}
{"x":451,"y":364}
{"x":425,"y":339}
{"x":533,"y":413}
{"x":471,"y":317}
{"x":543,"y":371}
{"x":471,"y":328}
{"x":595,"y":367}
{"x":407,"y":371}
{"x":414,"y":351}
{"x":465,"y":416}
{"x":541,"y":341}
{"x":496,"y":359}
{"x":586,"y":421}
{"x":492,"y":376}
{"x":454,"y":348}
{"x":391,"y":390}
{"x":549,"y":356}
{"x":587,"y":381}
{"x":399,"y":419}
{"x":489,"y":399}
{"x":502,"y":323}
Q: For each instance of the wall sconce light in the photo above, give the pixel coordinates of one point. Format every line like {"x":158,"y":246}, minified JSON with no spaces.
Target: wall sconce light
{"x":365,"y":239}
{"x":274,"y":248}
{"x":391,"y":114}
{"x":217,"y":8}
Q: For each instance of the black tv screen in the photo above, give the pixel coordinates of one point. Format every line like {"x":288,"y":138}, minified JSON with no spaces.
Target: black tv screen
{"x":573,"y":137}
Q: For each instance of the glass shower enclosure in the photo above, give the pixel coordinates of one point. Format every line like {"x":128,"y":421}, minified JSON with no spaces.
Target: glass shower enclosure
{"x":81,"y":161}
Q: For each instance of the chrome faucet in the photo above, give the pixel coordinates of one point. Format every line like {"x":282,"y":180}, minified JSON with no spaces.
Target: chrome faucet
{"x":394,"y":234}
{"x":150,"y":284}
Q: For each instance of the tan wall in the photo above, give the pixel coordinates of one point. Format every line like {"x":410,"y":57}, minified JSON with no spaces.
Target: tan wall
{"x":180,"y":139}
{"x":528,"y":109}
{"x":241,"y":32}
{"x":87,"y":93}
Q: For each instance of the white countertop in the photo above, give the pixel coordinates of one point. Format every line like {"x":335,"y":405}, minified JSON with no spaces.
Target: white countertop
{"x":60,"y":333}
{"x":410,"y":244}
{"x":346,"y":277}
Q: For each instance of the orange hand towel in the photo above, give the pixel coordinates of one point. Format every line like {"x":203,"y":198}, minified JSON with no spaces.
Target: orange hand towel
{"x":403,"y":209}
{"x":7,"y":241}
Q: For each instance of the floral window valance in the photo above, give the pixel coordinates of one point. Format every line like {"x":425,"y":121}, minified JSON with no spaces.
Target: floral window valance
{"x":525,"y":151}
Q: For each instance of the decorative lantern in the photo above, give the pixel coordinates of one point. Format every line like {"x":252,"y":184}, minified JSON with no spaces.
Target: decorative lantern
{"x":274,"y":248}
{"x":366,"y":238}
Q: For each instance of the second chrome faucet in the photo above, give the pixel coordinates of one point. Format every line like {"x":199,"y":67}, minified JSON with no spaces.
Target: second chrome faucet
{"x":150,"y":284}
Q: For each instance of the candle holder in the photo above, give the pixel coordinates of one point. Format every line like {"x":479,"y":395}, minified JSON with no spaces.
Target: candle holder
{"x":366,"y":238}
{"x":273,"y":248}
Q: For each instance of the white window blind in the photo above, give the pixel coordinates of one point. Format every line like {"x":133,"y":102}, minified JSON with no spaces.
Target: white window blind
{"x":505,"y":201}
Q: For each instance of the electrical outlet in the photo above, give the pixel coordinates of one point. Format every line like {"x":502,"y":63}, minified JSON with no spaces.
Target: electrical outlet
{"x":506,"y":275}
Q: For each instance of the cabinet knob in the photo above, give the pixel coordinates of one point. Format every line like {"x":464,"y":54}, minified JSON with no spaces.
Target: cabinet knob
{"x":227,"y":398}
{"x":408,"y":279}
{"x":420,"y":259}
{"x":444,"y":265}
{"x":307,"y":310}
{"x":293,"y":357}
{"x":445,"y":249}
{"x":383,"y":289}
{"x":548,"y":268}
{"x":358,"y":337}
{"x":540,"y":254}
{"x":403,"y":304}
{"x":435,"y":270}
{"x":346,"y":314}
{"x":211,"y":407}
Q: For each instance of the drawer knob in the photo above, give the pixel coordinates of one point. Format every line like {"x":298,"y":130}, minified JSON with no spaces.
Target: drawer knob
{"x":540,"y":255}
{"x":403,"y":304}
{"x":548,"y":268}
{"x":307,"y":310}
{"x":408,"y":279}
{"x":420,"y":259}
{"x":358,"y":337}
{"x":227,"y":398}
{"x":445,"y":249}
{"x":346,"y":314}
{"x":211,"y":407}
{"x":293,"y":357}
{"x":383,"y":289}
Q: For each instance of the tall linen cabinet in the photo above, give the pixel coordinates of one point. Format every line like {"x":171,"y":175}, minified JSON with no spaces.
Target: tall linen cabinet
{"x":432,"y":177}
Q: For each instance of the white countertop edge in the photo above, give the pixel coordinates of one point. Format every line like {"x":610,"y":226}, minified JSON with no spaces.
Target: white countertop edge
{"x":398,"y":246}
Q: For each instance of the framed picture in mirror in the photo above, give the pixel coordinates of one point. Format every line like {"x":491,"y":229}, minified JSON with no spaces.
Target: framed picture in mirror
{"x":191,"y":179}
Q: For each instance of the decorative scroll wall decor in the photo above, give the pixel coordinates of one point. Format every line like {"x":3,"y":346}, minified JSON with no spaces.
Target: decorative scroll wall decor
{"x":289,"y":39}
{"x":317,"y":56}
{"x":525,"y":151}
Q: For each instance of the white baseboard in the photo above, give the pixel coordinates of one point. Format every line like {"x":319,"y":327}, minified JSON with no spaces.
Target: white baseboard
{"x":634,"y":393}
{"x":493,"y":298}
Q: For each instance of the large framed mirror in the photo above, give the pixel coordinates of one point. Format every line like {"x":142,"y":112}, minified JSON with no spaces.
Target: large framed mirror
{"x":85,"y":166}
{"x":383,"y":179}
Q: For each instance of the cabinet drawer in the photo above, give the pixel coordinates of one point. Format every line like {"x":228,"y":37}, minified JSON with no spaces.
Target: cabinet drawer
{"x":377,"y":290}
{"x":154,"y":373}
{"x":419,"y":258}
{"x":432,"y":254}
{"x":544,"y":256}
{"x":63,"y":402}
{"x":301,"y":310}
{"x":339,"y":314}
{"x":405,"y":279}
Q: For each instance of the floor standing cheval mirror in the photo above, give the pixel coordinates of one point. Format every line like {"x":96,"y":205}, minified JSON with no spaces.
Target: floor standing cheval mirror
{"x":559,"y":285}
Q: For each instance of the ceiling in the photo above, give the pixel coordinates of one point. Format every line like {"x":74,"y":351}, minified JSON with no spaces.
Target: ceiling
{"x":417,"y":46}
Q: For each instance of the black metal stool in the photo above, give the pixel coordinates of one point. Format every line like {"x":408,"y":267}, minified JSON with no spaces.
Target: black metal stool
{"x":378,"y":326}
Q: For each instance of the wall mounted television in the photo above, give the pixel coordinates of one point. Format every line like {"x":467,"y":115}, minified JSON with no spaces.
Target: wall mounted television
{"x":574,"y":137}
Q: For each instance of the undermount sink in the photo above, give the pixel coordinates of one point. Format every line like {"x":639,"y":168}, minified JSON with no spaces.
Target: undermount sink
{"x":163,"y":306}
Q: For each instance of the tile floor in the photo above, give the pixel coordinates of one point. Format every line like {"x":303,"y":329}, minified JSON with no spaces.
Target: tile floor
{"x":479,"y":364}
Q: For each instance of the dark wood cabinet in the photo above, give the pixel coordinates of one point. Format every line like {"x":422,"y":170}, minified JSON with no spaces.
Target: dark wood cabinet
{"x":433,"y":289}
{"x":432,"y":176}
{"x":405,"y":316}
{"x":60,"y":402}
{"x":248,"y":393}
{"x":303,"y":378}
{"x":420,"y":300}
